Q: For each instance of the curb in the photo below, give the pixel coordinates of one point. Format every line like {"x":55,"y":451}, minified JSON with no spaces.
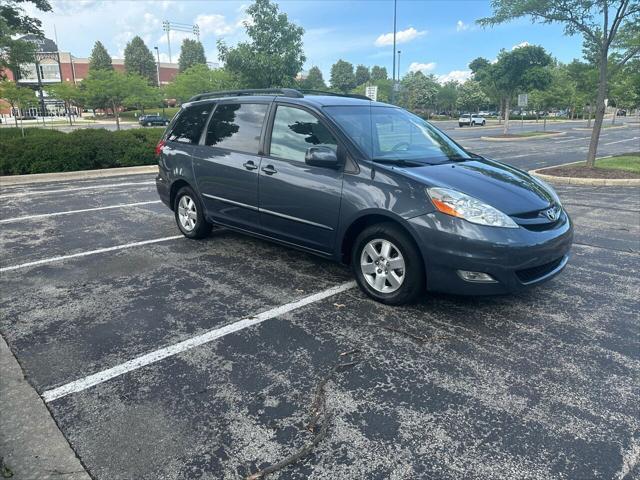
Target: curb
{"x":31,"y":443}
{"x":10,"y":180}
{"x":587,"y":129}
{"x":520,"y":139}
{"x":609,"y":182}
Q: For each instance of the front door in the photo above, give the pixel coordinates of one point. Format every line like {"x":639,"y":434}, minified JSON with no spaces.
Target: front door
{"x":299,"y":203}
{"x":226,"y":165}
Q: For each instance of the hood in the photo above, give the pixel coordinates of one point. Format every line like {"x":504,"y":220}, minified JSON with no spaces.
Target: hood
{"x":508,"y":189}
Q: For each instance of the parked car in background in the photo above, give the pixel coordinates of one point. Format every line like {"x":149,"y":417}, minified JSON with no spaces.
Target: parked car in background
{"x":148,"y":120}
{"x":364,"y":183}
{"x":622,"y":113}
{"x":471,"y":119}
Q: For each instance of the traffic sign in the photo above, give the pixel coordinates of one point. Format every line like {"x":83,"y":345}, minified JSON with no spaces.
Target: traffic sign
{"x":372,"y":92}
{"x":523,"y":99}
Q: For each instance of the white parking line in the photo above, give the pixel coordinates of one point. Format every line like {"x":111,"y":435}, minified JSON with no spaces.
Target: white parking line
{"x":73,"y":189}
{"x":56,"y":214}
{"x":162,"y":353}
{"x":90,"y":252}
{"x":620,"y":141}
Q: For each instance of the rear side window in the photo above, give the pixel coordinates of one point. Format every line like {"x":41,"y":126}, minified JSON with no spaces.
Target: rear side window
{"x":189,"y":124}
{"x":294,"y":131}
{"x":237,"y":126}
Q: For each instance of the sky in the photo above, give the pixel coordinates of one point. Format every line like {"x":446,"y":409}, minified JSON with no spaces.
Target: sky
{"x":438,"y":37}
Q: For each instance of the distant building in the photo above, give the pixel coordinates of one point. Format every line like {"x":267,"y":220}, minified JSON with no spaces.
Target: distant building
{"x":54,"y":66}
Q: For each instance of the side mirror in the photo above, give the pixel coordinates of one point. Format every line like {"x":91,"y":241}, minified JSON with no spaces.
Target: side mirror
{"x":321,"y":157}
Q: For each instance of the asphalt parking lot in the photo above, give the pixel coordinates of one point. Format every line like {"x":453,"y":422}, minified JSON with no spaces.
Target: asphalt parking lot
{"x":132,"y":336}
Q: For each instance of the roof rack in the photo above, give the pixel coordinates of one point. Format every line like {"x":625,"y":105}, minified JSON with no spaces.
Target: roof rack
{"x":334,"y":94}
{"x":285,"y":92}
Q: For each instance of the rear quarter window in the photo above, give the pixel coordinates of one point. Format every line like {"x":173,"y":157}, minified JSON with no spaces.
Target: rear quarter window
{"x":189,"y":124}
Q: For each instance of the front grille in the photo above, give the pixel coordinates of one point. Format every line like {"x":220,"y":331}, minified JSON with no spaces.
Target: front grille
{"x":532,"y":274}
{"x":537,"y":220}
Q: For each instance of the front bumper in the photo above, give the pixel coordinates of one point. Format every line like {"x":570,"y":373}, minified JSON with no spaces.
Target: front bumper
{"x":515,"y":258}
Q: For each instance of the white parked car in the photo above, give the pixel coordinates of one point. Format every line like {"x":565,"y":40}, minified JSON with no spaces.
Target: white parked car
{"x":471,"y":119}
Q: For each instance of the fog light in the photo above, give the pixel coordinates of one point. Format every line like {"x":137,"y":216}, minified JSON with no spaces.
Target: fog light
{"x":478,"y":277}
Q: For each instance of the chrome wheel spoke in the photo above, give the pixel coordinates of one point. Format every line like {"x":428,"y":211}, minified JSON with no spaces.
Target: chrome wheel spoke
{"x":379,"y":282}
{"x":396,"y":263}
{"x":394,"y":280}
{"x":386,"y":249}
{"x":368,"y":268}
{"x":371,"y":251}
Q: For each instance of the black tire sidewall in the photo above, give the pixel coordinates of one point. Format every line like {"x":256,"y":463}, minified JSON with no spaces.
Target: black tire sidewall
{"x":414,"y":282}
{"x":202,"y":227}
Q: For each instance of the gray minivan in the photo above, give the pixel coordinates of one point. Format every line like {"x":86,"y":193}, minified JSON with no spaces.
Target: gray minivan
{"x":364,"y":183}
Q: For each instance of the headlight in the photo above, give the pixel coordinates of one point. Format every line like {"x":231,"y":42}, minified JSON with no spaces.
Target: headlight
{"x":549,"y":190}
{"x":457,"y":204}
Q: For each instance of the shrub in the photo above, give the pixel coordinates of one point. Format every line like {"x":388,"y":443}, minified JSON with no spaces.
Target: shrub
{"x":45,"y":151}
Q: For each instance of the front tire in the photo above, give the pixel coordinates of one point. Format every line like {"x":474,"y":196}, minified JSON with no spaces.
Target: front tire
{"x":387,"y":264}
{"x":189,"y":214}
{"x":461,"y":125}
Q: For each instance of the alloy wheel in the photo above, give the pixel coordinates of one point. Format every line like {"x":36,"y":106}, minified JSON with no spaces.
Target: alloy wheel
{"x":187,"y":213}
{"x":382,"y":265}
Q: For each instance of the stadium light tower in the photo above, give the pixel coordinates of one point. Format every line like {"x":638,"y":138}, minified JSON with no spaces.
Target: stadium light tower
{"x":168,"y":26}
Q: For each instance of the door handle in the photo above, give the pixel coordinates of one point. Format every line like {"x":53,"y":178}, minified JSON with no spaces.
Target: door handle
{"x":249,"y":165}
{"x":269,"y":170}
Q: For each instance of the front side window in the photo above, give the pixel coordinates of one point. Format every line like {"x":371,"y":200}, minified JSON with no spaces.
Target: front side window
{"x":237,"y":126}
{"x":391,"y":134}
{"x":294,"y":131}
{"x":189,"y":124}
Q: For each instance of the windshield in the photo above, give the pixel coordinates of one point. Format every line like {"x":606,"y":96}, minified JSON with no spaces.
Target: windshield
{"x":393,"y":134}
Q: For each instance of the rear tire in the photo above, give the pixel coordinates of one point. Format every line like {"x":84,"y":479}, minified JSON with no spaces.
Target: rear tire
{"x":460,"y":125}
{"x":398,"y":277}
{"x":189,"y":214}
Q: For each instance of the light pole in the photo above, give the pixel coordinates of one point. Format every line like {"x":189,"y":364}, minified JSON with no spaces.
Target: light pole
{"x":399,"y":52}
{"x":157,"y":64}
{"x":393,"y":87}
{"x":158,"y":73}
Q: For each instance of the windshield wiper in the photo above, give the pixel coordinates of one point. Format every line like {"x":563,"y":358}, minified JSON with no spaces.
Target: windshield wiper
{"x":400,"y":162}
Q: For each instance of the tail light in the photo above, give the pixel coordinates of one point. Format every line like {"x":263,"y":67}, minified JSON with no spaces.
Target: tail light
{"x":159,"y":146}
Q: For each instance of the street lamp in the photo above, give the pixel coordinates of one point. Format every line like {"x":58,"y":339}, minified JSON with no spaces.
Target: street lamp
{"x":399,"y":52}
{"x":157,"y":64}
{"x":158,"y":73}
{"x":393,"y":90}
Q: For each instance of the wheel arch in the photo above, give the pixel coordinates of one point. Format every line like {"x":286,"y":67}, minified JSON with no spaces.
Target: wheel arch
{"x":366,"y":220}
{"x":175,"y":187}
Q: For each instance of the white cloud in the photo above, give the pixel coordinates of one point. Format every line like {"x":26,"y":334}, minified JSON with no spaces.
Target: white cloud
{"x":461,"y":26}
{"x":422,"y":67}
{"x":403,"y":36}
{"x":215,"y":24}
{"x":521,"y":44}
{"x":457,"y":75}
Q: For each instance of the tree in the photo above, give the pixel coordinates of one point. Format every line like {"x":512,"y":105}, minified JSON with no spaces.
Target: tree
{"x":20,"y":98}
{"x":100,"y":58}
{"x":273,"y":56}
{"x":107,"y":89}
{"x":141,"y":94}
{"x":518,"y":71}
{"x":610,"y":29}
{"x":191,"y":53}
{"x":138,"y":59}
{"x":342,"y":76}
{"x":418,"y":91}
{"x":448,"y":95}
{"x":13,"y":22}
{"x":378,"y":73}
{"x":471,"y":96}
{"x":200,"y":79}
{"x":314,"y":80}
{"x":69,"y":93}
{"x":362,"y":74}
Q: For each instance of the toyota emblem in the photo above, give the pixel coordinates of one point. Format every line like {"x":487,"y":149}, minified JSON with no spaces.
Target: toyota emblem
{"x":552,"y":214}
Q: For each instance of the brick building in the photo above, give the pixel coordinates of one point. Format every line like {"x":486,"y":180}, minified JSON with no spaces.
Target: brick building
{"x":55,"y":66}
